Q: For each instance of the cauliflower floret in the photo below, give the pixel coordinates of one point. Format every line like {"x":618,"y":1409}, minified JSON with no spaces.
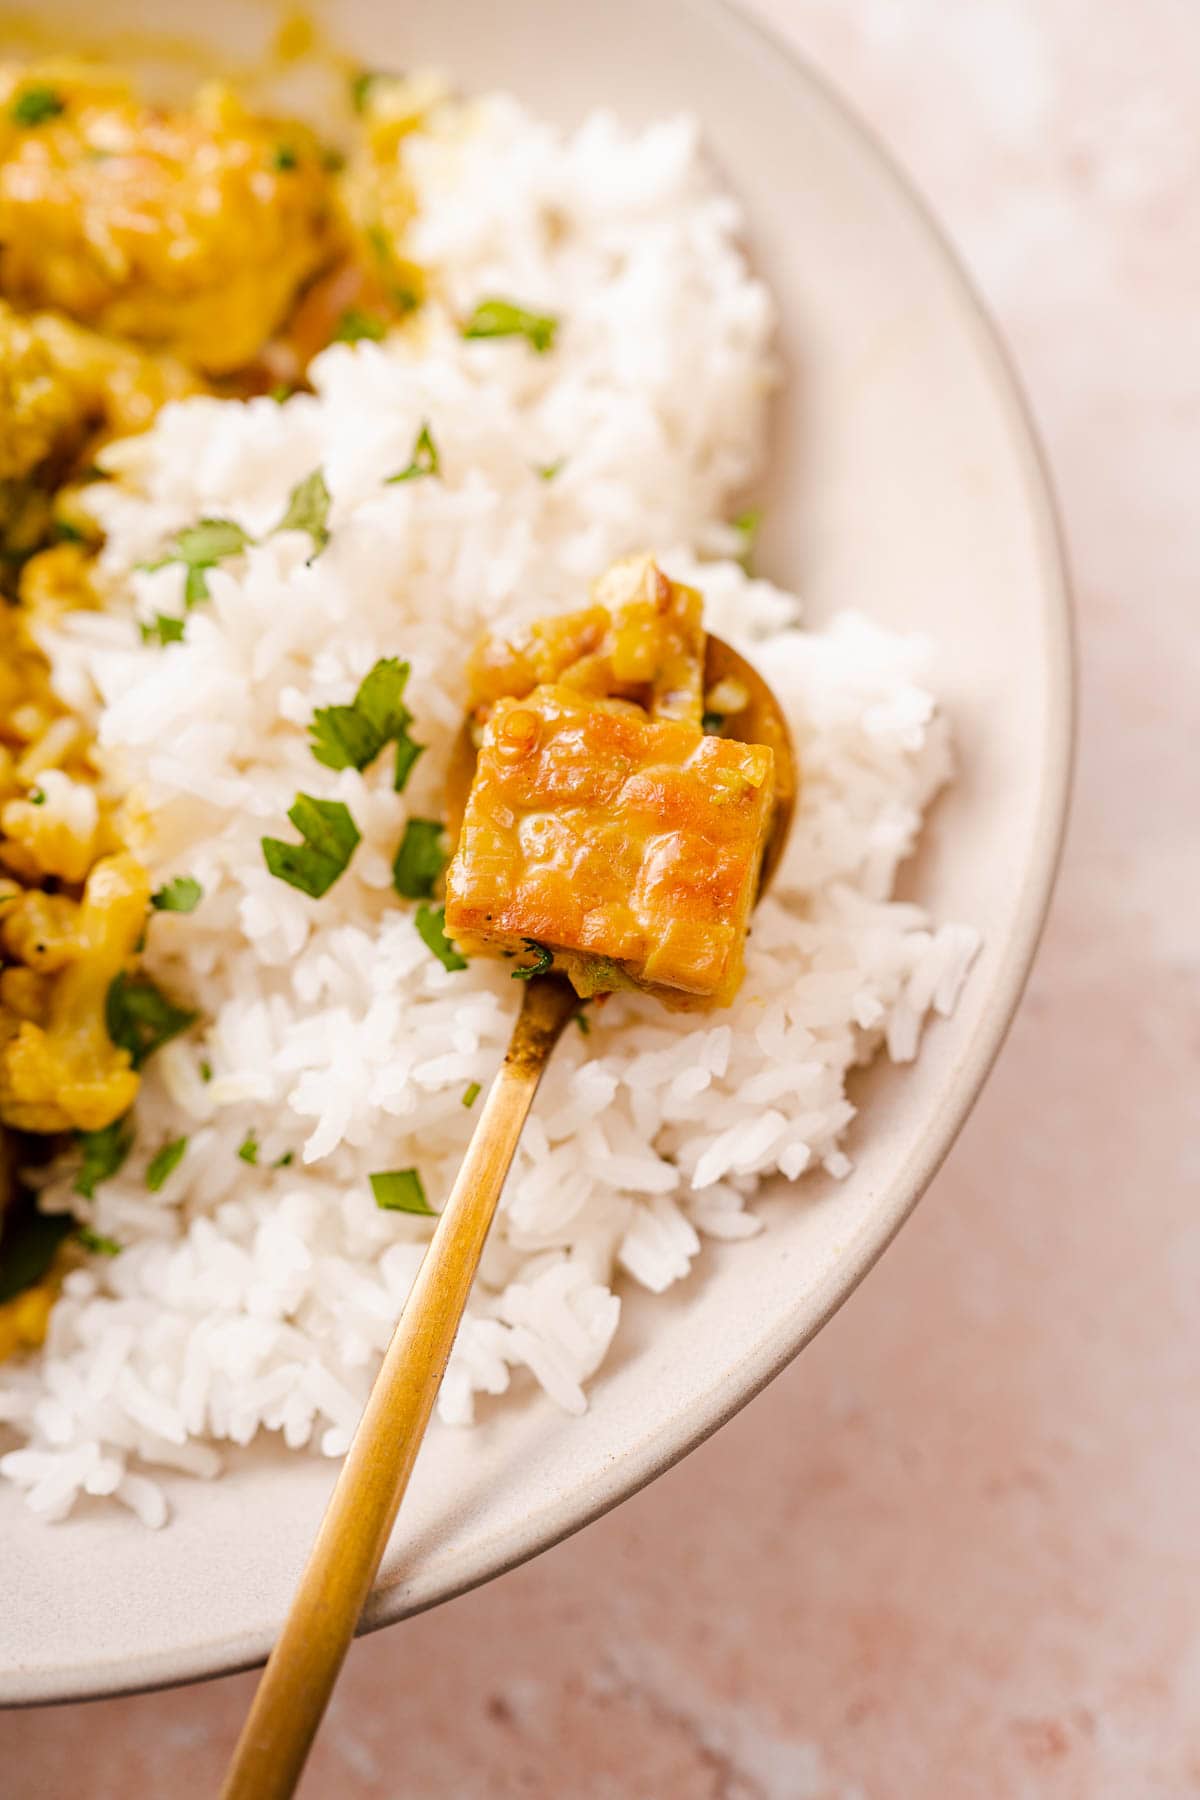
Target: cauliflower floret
{"x":67,"y":1073}
{"x":55,"y":831}
{"x":190,"y":229}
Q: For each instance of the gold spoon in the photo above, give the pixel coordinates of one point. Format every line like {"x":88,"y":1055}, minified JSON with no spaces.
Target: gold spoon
{"x":304,"y":1665}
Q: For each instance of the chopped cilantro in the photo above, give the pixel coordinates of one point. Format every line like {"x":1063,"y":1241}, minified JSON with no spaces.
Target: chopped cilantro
{"x":355,"y":324}
{"x":200,"y":548}
{"x":501,"y":318}
{"x":248,"y":1148}
{"x":425,"y":459}
{"x":420,"y":859}
{"x":584,"y":1023}
{"x":166,"y":629}
{"x":360,"y":89}
{"x":284,"y":158}
{"x":66,"y":532}
{"x":431,"y":925}
{"x":308,"y":510}
{"x":35,"y":104}
{"x":140,"y":1018}
{"x":28,"y":1247}
{"x":333,"y":160}
{"x":600,"y":975}
{"x":95,"y":1242}
{"x":747,"y":524}
{"x":182,"y":895}
{"x":547,"y":471}
{"x":350,"y":737}
{"x":712,"y":723}
{"x":161,"y":1165}
{"x":103,"y":1153}
{"x":283,"y":390}
{"x":472,"y":1094}
{"x":400,"y":1190}
{"x":36,"y":797}
{"x":285,"y":1161}
{"x":545,"y":960}
{"x":206,"y":1070}
{"x":330,"y":838}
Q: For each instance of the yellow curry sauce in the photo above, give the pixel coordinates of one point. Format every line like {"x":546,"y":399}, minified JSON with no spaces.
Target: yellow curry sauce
{"x":146,"y":254}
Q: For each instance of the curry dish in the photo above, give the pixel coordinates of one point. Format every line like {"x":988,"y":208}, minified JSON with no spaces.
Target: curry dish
{"x":151,"y":254}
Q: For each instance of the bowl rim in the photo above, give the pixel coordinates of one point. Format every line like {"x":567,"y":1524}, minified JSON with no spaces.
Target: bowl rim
{"x":646,"y":1458}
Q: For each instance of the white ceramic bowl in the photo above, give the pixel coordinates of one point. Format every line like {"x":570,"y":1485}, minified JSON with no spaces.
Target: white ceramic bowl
{"x":906,"y":482}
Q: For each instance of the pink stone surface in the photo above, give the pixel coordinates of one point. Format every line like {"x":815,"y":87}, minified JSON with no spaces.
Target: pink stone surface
{"x":953,"y":1551}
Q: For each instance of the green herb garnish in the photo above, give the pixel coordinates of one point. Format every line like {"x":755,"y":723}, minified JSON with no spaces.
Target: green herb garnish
{"x":502,"y":318}
{"x":308,"y":510}
{"x":34,"y":105}
{"x":400,"y":1190}
{"x":167,"y":1159}
{"x":140,"y":1018}
{"x":547,"y":471}
{"x":431,"y":926}
{"x":584,"y":1023}
{"x":182,"y":895}
{"x":283,"y":390}
{"x":545,"y":960}
{"x":712,"y":723}
{"x":350,"y":737}
{"x":285,"y":1161}
{"x":248,"y":1148}
{"x":472,"y":1094}
{"x":166,"y":629}
{"x":95,"y":1242}
{"x":360,"y":88}
{"x":747,"y":524}
{"x":36,"y":796}
{"x":284,"y":158}
{"x":104,"y":1151}
{"x":206,"y":1070}
{"x":420,"y":859}
{"x":330,"y":837}
{"x":425,"y":459}
{"x":200,"y":548}
{"x":28,"y":1248}
{"x":355,"y":325}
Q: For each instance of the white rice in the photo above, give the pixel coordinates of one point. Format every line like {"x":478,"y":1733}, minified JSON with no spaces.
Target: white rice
{"x":252,"y":1299}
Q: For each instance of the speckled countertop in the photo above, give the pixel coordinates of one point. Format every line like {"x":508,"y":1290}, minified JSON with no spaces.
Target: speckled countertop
{"x":953,"y":1552}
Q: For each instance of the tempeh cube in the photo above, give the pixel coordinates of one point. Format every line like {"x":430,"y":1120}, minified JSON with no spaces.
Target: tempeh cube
{"x":628,"y":846}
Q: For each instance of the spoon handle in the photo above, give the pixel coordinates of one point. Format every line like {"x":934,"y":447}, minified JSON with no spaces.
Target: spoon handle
{"x":342,"y":1564}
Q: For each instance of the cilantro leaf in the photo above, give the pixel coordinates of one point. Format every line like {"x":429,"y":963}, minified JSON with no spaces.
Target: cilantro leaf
{"x":182,"y":895}
{"x":425,"y":459}
{"x":472,"y":1094}
{"x":284,"y":158}
{"x":95,"y":1242}
{"x":140,"y":1018}
{"x":199,"y":548}
{"x":285,"y":1161}
{"x":35,"y":104}
{"x":547,"y":471}
{"x":400,"y":1190}
{"x":420,"y":859}
{"x":355,"y":325}
{"x":161,"y":1165}
{"x":104,"y":1151}
{"x":502,"y":318}
{"x":166,"y":629}
{"x":28,"y":1247}
{"x":330,"y":837}
{"x":431,"y":925}
{"x":350,"y":737}
{"x":584,"y":1024}
{"x":308,"y":510}
{"x":545,"y":960}
{"x":248,"y":1148}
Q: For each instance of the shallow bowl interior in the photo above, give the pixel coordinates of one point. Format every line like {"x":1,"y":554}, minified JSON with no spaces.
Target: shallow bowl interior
{"x":905,"y":483}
